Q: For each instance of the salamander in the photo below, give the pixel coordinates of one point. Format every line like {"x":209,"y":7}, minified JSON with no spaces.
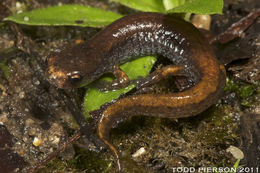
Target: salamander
{"x":129,"y":38}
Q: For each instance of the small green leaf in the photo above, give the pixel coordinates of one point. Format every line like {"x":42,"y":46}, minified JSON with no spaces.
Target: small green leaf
{"x":134,"y":69}
{"x":73,"y":15}
{"x":236,"y":165}
{"x":144,"y":5}
{"x":200,"y":7}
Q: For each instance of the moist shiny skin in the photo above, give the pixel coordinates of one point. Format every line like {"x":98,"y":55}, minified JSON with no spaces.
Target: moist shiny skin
{"x":131,"y":37}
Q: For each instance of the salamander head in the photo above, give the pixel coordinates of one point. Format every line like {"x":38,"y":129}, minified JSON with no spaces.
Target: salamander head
{"x":61,"y":74}
{"x":71,"y":68}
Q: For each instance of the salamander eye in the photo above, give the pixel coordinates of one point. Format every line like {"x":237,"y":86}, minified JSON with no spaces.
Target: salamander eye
{"x":75,"y":77}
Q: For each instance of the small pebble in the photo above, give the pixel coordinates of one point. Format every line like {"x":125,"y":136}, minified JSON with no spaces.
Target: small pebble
{"x":54,"y":140}
{"x":236,"y":152}
{"x":141,"y":151}
{"x":29,"y":122}
{"x":21,"y":94}
{"x":32,"y":131}
{"x":37,"y":142}
{"x":201,"y":21}
{"x":26,"y":18}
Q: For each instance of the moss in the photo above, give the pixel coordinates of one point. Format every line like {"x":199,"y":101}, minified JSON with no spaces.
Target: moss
{"x":5,"y":69}
{"x":218,"y":127}
{"x":88,"y":161}
{"x":84,"y":161}
{"x":244,"y":91}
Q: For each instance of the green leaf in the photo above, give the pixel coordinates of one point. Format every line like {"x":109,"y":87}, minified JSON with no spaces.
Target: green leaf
{"x":73,"y":15}
{"x":169,"y":4}
{"x":134,"y":69}
{"x":200,"y":7}
{"x":144,"y":5}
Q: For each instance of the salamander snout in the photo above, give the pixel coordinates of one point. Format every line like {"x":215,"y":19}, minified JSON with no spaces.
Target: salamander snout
{"x":61,"y":77}
{"x":55,"y":77}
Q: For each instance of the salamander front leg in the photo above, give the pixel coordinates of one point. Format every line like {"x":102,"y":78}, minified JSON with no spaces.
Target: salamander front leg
{"x":156,"y":76}
{"x":121,"y":80}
